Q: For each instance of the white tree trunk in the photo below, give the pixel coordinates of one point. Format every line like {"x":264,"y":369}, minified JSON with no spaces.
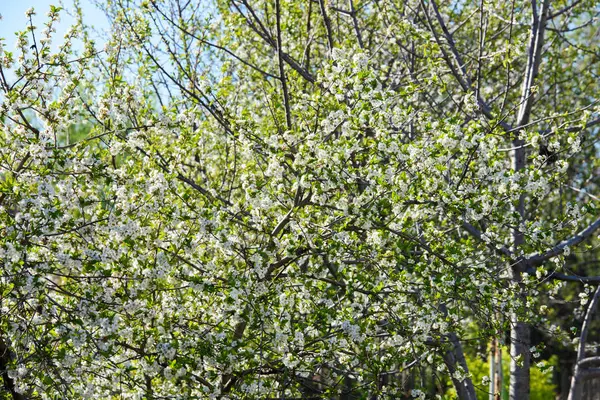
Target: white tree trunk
{"x":575,"y":391}
{"x":519,"y":359}
{"x":492,"y":386}
{"x":520,"y":331}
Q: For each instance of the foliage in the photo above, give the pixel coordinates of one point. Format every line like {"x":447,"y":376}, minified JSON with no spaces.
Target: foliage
{"x":542,"y":387}
{"x":285,"y":199}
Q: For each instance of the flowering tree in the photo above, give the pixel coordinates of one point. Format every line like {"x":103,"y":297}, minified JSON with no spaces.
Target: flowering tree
{"x":290,"y":199}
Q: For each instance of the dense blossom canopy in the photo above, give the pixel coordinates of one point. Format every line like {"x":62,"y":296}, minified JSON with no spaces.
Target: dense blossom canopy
{"x":279,"y":199}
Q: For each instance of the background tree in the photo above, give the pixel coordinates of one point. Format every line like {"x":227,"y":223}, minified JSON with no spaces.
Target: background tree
{"x":292,"y":199}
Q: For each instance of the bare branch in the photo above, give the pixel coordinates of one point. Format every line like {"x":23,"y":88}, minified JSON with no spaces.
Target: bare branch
{"x":538,"y":28}
{"x":355,"y":23}
{"x":589,"y":360}
{"x":564,"y":10}
{"x":286,"y":95}
{"x":327,"y":24}
{"x":575,"y":278}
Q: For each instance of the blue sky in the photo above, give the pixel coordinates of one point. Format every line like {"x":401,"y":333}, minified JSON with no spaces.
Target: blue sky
{"x":13,"y":17}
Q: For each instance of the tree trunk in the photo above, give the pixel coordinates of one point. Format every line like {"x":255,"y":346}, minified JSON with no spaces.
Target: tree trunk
{"x":499,"y":374}
{"x":6,"y":357}
{"x":519,"y":359}
{"x":520,"y":331}
{"x":576,"y":386}
{"x":492,"y":385}
{"x":455,"y":358}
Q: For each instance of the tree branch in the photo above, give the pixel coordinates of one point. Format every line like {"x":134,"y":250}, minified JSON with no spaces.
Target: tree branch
{"x":538,"y":28}
{"x":355,"y":23}
{"x":478,"y":235}
{"x":564,"y":10}
{"x":589,"y":360}
{"x":286,"y":95}
{"x":327,"y":24}
{"x":537,"y":259}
